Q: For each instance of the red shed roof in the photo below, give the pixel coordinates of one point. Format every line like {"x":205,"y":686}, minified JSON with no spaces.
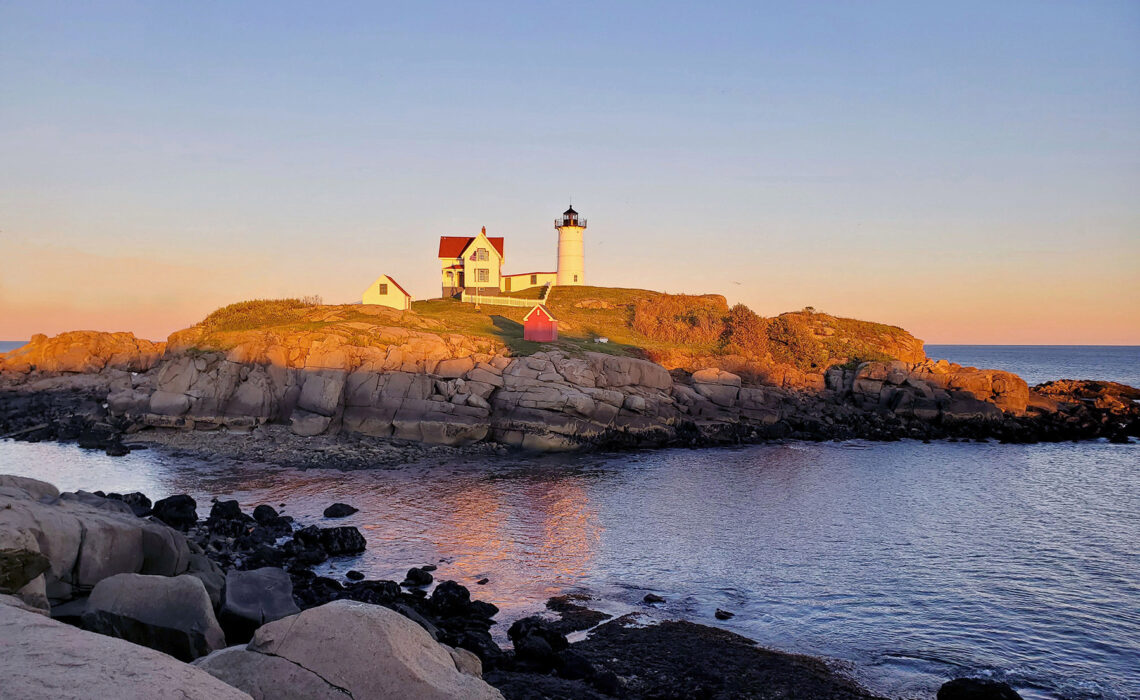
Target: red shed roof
{"x":453,"y":246}
{"x":393,"y":281}
{"x":536,"y":308}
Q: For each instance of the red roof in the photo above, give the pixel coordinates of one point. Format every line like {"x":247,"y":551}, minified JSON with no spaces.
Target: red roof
{"x":536,"y":308}
{"x":393,"y":281}
{"x":453,"y":246}
{"x":524,"y":274}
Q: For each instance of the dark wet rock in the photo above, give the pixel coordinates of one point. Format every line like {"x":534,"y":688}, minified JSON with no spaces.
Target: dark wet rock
{"x":483,"y":581}
{"x":179,"y":512}
{"x":723,"y":614}
{"x":653,"y":598}
{"x":253,"y":598}
{"x":516,"y":685}
{"x":375,"y":592}
{"x":976,"y":689}
{"x":340,"y":510}
{"x":535,"y":651}
{"x":570,"y":664}
{"x":685,"y":660}
{"x":225,"y":510}
{"x":354,"y":575}
{"x":450,"y":599}
{"x":428,"y":567}
{"x":116,"y":448}
{"x":264,"y":514}
{"x":413,"y":615}
{"x":140,"y":505}
{"x":573,"y":616}
{"x":338,"y":541}
{"x":265,"y":555}
{"x":417,"y":577}
{"x":315,"y":591}
{"x":536,"y":642}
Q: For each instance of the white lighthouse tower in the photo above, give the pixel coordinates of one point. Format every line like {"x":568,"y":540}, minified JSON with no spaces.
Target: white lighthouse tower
{"x":570,"y":256}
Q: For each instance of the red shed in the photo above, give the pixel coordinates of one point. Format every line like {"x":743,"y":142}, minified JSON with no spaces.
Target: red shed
{"x":540,"y":325}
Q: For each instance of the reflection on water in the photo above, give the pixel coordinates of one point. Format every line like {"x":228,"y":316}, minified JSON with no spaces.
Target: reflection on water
{"x":912,"y":562}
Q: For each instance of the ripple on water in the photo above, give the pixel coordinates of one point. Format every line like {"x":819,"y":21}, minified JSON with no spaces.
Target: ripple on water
{"x":911,"y":562}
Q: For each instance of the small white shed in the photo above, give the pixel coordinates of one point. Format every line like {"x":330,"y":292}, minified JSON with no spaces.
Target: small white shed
{"x":386,"y":291}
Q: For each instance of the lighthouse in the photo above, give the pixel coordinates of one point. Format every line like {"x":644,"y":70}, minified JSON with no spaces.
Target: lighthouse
{"x":570,"y":257}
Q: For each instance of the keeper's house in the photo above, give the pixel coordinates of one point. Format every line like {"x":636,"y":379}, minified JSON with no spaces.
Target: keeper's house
{"x":474,"y":264}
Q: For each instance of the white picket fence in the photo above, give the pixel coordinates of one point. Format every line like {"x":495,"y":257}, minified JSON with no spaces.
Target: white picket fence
{"x":506,"y":301}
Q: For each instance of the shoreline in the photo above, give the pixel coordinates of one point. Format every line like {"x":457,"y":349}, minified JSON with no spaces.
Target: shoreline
{"x":623,"y":656}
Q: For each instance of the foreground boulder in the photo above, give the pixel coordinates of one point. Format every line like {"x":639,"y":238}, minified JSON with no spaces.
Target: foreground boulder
{"x":44,"y":659}
{"x":354,"y":649}
{"x":84,"y":539}
{"x":253,"y":598}
{"x":170,"y":614}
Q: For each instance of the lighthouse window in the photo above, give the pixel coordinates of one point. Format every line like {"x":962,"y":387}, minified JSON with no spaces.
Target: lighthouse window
{"x":481,"y":254}
{"x":383,"y":289}
{"x":482,"y":275}
{"x":575,"y":278}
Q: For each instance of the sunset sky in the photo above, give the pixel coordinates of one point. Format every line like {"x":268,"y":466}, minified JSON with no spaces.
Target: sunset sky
{"x":968,"y":171}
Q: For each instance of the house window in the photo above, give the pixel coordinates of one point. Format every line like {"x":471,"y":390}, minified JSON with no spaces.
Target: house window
{"x":534,"y":279}
{"x":450,"y":277}
{"x":383,"y":289}
{"x":482,"y":275}
{"x":481,"y":255}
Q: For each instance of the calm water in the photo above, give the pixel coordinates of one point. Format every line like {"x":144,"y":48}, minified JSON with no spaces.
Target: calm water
{"x":1042,"y":363}
{"x":907,"y":563}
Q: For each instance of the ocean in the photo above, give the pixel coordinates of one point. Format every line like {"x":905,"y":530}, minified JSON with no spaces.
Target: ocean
{"x":904,"y":564}
{"x":1041,"y":363}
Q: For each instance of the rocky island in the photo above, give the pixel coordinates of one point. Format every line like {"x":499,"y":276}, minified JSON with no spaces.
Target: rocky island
{"x":674,"y":370}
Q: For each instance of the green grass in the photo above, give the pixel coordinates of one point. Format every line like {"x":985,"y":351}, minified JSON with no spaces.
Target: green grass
{"x":583,"y":313}
{"x":258,"y":313}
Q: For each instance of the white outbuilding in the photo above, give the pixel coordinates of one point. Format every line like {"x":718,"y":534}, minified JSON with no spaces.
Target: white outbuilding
{"x":386,"y":291}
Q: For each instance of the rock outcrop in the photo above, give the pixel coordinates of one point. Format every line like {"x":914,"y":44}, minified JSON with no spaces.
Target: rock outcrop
{"x":929,"y":390}
{"x":83,"y":352}
{"x":348,"y":649}
{"x":82,"y":539}
{"x":44,"y":659}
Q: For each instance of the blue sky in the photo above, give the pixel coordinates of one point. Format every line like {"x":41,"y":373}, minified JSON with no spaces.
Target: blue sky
{"x":970,"y":171}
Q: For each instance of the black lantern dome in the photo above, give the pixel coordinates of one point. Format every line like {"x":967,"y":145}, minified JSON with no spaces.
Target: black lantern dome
{"x":570,"y":218}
